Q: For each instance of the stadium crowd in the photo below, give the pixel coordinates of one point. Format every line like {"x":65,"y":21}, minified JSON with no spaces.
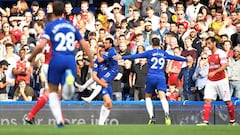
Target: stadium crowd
{"x":181,"y":26}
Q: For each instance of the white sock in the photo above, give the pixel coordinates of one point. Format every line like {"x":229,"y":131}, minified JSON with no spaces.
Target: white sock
{"x":95,"y":92}
{"x":87,"y":83}
{"x":55,"y":106}
{"x":165,"y":106}
{"x":104,"y":112}
{"x":149,"y":107}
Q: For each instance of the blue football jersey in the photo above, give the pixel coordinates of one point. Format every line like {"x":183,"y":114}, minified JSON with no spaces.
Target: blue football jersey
{"x":62,"y":35}
{"x":100,"y":68}
{"x":111,"y":62}
{"x":156,"y":59}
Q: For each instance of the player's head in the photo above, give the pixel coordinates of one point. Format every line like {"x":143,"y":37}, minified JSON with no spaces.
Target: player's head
{"x":108,"y":43}
{"x":155,"y":41}
{"x":211,"y":42}
{"x":58,"y":8}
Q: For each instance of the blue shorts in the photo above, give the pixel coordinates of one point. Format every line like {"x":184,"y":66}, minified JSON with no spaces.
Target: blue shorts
{"x":107,"y":90}
{"x":58,"y":66}
{"x":155,"y":83}
{"x":109,"y":76}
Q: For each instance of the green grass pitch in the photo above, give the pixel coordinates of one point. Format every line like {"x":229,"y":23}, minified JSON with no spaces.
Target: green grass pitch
{"x":119,"y":130}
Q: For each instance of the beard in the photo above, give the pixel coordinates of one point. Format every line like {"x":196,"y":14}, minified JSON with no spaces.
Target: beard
{"x":148,"y":30}
{"x":195,"y":3}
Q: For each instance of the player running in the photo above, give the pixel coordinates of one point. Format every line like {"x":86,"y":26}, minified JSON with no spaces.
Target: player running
{"x":156,"y":59}
{"x":62,"y":36}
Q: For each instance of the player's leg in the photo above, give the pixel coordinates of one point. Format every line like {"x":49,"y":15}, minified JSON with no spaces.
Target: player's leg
{"x":225,"y":95}
{"x":54,"y":104}
{"x":42,"y":100}
{"x":101,"y":83}
{"x":85,"y":85}
{"x":161,"y":90}
{"x":165,"y":106}
{"x":210,"y":93}
{"x":148,"y":101}
{"x":106,"y":107}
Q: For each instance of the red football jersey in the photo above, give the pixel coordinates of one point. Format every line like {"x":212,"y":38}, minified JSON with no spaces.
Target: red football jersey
{"x":215,"y":60}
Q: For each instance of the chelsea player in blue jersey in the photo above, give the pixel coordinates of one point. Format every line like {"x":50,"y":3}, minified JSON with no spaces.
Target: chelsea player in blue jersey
{"x":104,"y":77}
{"x":156,"y":59}
{"x":62,"y":36}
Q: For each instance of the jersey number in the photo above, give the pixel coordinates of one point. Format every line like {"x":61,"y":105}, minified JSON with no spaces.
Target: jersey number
{"x":66,"y":41}
{"x":158,"y":63}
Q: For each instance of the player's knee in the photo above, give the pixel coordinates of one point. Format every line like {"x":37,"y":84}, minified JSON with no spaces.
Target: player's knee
{"x":108,"y":105}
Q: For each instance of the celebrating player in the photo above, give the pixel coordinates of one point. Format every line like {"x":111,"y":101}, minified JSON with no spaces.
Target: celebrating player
{"x":156,"y":59}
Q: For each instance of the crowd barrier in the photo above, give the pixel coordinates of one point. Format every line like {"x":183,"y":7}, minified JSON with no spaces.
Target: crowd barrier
{"x":123,"y":112}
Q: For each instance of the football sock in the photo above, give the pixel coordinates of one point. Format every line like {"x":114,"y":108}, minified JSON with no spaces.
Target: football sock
{"x":165,"y":106}
{"x":88,"y":82}
{"x":149,"y":107}
{"x":55,"y":107}
{"x":104,"y":112}
{"x":38,"y":106}
{"x":231,"y":111}
{"x":95,"y":92}
{"x":206,"y":112}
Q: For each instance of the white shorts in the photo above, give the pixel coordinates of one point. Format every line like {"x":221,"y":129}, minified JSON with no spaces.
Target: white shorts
{"x":214,"y":88}
{"x":44,"y":71}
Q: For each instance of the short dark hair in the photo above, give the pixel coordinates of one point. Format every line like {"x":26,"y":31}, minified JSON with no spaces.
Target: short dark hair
{"x":110,"y":40}
{"x":212,"y":39}
{"x":155,"y":41}
{"x":58,"y":8}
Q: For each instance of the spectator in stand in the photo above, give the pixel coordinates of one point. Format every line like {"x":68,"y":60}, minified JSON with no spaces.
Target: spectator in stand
{"x":6,"y":35}
{"x":84,"y":10}
{"x":24,"y":92}
{"x":128,"y":4}
{"x":217,"y":23}
{"x":68,"y":11}
{"x":22,"y":7}
{"x":174,"y":67}
{"x":90,"y":21}
{"x":41,"y":15}
{"x":164,"y":9}
{"x":163,"y":29}
{"x":200,"y":76}
{"x":34,"y":10}
{"x":49,"y":13}
{"x":15,"y":30}
{"x":189,"y":50}
{"x":233,"y":16}
{"x":227,"y":27}
{"x":187,"y":84}
{"x":234,"y":72}
{"x":172,"y":93}
{"x":232,"y":6}
{"x":138,"y":79}
{"x":102,"y":16}
{"x":3,"y":81}
{"x":227,"y":47}
{"x":150,"y":16}
{"x":193,"y":9}
{"x":11,"y":58}
{"x":22,"y":68}
{"x":235,"y":38}
{"x":155,"y":4}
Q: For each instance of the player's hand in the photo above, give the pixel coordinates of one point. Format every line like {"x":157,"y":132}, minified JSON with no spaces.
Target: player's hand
{"x":117,"y":57}
{"x":211,"y":74}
